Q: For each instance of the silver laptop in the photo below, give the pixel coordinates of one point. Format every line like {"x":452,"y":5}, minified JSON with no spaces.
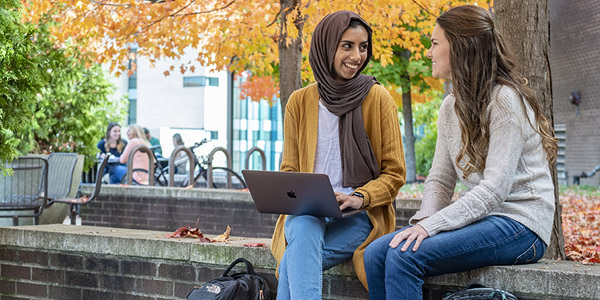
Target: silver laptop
{"x":294,"y":193}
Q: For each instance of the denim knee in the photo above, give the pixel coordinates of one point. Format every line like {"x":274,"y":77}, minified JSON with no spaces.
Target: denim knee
{"x":304,"y":227}
{"x":370,"y":253}
{"x":376,"y":248}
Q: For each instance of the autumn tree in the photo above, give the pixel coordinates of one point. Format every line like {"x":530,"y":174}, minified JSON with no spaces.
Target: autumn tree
{"x":264,"y":37}
{"x":260,"y":35}
{"x":527,"y":23}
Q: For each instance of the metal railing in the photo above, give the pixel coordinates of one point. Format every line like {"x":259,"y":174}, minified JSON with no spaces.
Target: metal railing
{"x":262,"y":155}
{"x":191,"y":159}
{"x":143,"y":149}
{"x":209,"y":174}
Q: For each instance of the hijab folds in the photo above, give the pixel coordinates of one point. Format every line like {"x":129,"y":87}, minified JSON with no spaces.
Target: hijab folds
{"x":344,"y":98}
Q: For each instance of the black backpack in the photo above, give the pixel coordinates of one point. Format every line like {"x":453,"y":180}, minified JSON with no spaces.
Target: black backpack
{"x":239,"y":286}
{"x":479,"y":292}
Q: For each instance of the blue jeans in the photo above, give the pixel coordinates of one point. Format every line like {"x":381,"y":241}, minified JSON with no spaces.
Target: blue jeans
{"x":316,"y":244}
{"x":117,"y":172}
{"x":494,"y":240}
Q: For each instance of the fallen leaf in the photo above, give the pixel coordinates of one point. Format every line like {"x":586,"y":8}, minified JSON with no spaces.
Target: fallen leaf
{"x":254,"y":245}
{"x":224,"y":236}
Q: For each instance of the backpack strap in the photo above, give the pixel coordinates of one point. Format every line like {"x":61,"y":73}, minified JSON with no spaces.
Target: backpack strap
{"x":249,"y":268}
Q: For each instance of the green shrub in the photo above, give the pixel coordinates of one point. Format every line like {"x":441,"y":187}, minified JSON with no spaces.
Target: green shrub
{"x":52,"y":99}
{"x":22,"y":76}
{"x":426,"y":116}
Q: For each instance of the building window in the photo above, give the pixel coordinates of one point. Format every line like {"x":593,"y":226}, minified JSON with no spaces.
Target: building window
{"x":132,"y":119}
{"x":194,"y":81}
{"x":132,"y":81}
{"x":213,"y":81}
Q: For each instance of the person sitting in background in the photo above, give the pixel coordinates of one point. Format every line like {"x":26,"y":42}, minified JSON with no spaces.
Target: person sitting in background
{"x":153,"y":142}
{"x":136,"y":137}
{"x":113,"y":144}
{"x":178,"y":141}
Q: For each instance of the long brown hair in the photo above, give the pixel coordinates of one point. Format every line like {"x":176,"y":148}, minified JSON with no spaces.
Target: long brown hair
{"x":479,"y":61}
{"x":120,"y":143}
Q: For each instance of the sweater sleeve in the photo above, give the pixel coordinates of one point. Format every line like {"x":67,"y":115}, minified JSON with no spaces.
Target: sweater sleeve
{"x":506,"y":143}
{"x":290,"y":161}
{"x":100,"y":146}
{"x":440,"y":183}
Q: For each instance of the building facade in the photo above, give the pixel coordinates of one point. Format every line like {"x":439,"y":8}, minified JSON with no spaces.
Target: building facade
{"x":199,"y":105}
{"x":575,"y":69}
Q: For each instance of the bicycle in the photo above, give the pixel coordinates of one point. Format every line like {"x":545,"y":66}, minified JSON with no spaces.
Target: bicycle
{"x":201,"y":171}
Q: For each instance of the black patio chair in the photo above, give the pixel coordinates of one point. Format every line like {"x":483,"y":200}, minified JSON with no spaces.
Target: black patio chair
{"x":24,"y":192}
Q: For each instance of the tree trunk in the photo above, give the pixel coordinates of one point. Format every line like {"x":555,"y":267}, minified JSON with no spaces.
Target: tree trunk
{"x":526,"y":28}
{"x":409,"y":133}
{"x":409,"y":137}
{"x":290,"y":55}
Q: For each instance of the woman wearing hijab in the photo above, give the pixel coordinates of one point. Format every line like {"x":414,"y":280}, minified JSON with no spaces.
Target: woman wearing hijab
{"x":346,"y":126}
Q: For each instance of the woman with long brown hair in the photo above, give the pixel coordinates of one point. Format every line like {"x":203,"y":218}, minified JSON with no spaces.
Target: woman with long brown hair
{"x":346,"y":126}
{"x":112,"y":143}
{"x":493,"y":137}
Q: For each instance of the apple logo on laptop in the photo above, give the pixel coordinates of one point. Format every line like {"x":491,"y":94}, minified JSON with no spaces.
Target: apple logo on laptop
{"x":291,"y":194}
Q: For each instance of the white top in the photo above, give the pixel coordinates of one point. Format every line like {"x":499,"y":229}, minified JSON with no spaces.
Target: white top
{"x":515,"y":182}
{"x":328,"y":159}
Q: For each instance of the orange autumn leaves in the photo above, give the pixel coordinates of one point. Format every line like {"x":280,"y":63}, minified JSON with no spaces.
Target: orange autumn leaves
{"x":581,"y":226}
{"x":259,"y":87}
{"x":227,"y":34}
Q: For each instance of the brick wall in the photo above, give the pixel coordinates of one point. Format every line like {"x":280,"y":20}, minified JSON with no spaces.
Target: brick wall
{"x":575,"y":49}
{"x":84,"y":262}
{"x":35,"y":274}
{"x":156,"y":208}
{"x":166,"y":209}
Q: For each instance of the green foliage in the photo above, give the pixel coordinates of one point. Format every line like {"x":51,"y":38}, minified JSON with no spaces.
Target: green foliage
{"x":72,"y":111}
{"x":584,"y":189}
{"x":402,"y":72}
{"x":52,"y":99}
{"x":21,"y":77}
{"x":426,"y":116}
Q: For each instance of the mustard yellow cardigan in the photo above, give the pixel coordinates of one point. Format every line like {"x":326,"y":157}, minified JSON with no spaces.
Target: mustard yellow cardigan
{"x":380,"y":117}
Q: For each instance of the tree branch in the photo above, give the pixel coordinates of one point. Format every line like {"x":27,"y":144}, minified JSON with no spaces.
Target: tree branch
{"x":204,"y":12}
{"x":423,"y":8}
{"x":275,"y":19}
{"x":110,"y":4}
{"x":163,"y":17}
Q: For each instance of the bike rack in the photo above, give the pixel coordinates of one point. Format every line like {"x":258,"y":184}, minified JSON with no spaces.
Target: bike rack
{"x":210,"y":167}
{"x":143,"y":149}
{"x":585,"y":175}
{"x":191,"y":158}
{"x":262,"y":155}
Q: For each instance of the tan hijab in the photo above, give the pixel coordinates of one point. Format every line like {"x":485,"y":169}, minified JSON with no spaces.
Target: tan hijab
{"x":344,"y":98}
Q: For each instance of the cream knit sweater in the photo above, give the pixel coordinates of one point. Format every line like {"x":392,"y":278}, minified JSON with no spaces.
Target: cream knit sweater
{"x":515,"y":183}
